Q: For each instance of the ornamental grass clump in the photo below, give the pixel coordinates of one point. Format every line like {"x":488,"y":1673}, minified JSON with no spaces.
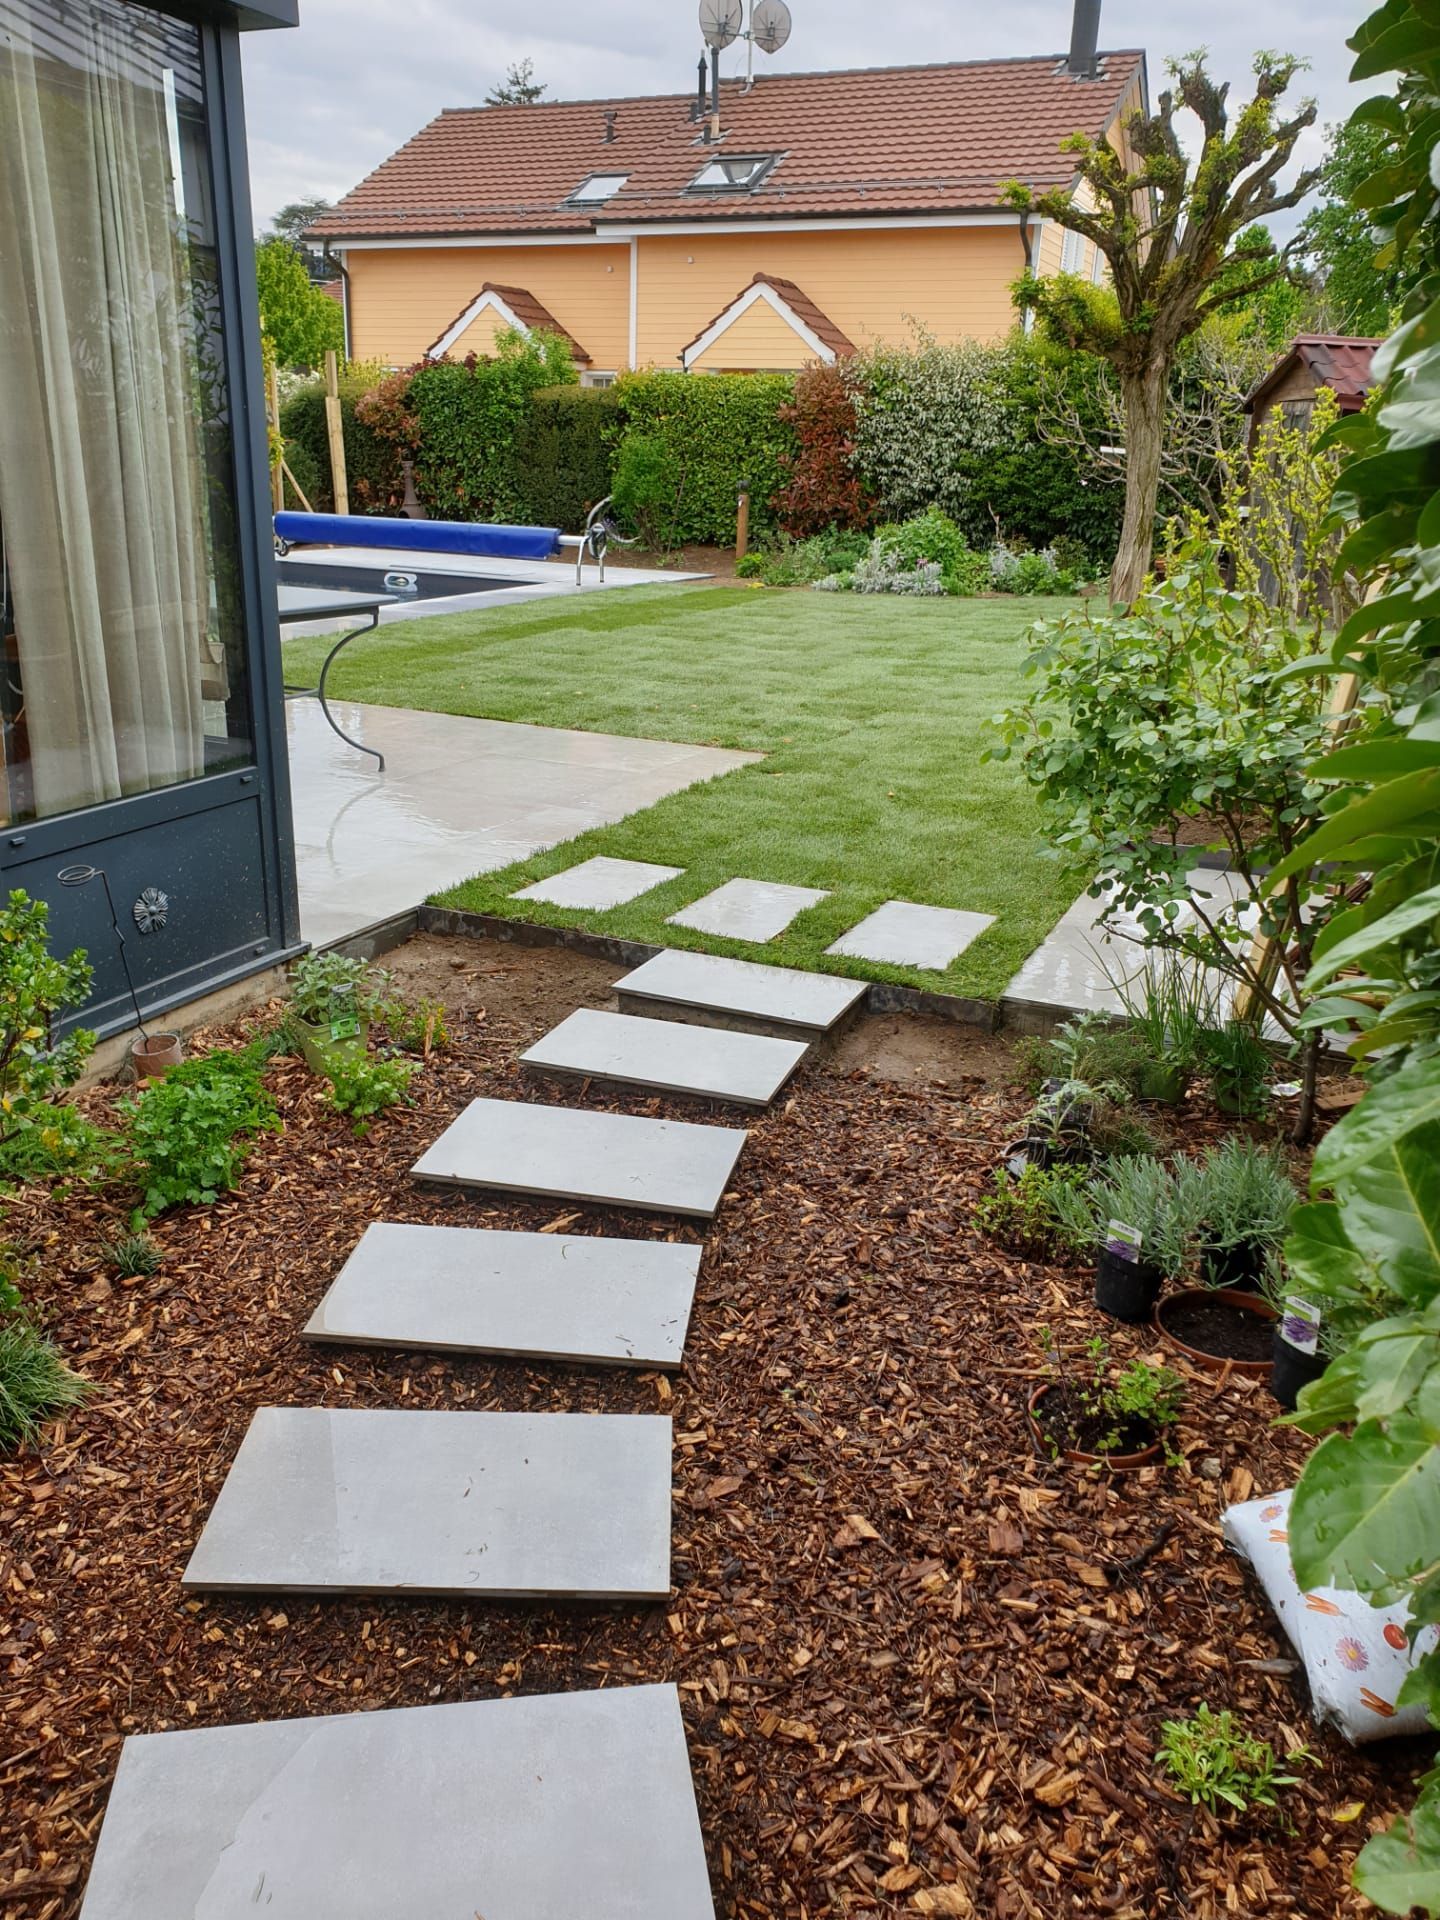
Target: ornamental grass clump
{"x":35,"y":1383}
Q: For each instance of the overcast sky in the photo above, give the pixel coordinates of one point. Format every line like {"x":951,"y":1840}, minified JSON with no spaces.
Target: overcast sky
{"x":328,"y":101}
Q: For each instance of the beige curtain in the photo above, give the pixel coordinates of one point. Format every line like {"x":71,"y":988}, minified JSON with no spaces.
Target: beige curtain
{"x":102,"y":487}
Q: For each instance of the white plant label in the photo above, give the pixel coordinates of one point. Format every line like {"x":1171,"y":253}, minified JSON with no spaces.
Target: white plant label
{"x":1123,"y":1242}
{"x":1300,"y":1324}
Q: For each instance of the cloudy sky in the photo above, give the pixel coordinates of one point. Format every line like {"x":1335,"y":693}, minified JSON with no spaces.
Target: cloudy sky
{"x":329,"y":101}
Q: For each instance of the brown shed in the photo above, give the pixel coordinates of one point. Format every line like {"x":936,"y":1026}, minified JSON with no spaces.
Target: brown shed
{"x":1315,"y":360}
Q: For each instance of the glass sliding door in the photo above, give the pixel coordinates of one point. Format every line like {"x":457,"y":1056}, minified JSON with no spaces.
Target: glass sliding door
{"x":121,"y":620}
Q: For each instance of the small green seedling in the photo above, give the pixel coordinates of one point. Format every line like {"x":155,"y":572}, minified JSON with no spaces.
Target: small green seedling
{"x":1216,"y":1765}
{"x":134,"y":1256}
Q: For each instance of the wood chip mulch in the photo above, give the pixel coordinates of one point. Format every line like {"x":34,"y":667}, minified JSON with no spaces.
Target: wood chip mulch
{"x":923,"y":1668}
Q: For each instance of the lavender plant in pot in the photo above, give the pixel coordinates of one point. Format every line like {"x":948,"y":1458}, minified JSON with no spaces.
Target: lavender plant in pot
{"x":1242,"y":1199}
{"x":1136,"y":1217}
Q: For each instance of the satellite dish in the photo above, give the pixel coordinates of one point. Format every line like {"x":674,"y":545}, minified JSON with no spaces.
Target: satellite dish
{"x":770,"y":25}
{"x":721,"y":21}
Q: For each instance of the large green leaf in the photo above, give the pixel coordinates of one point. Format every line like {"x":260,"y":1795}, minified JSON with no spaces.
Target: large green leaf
{"x":1401,"y":1104}
{"x":1378,"y":760}
{"x":1366,"y":1512}
{"x":1400,"y":1869}
{"x":1413,"y":798}
{"x":1391,"y":1213}
{"x":1392,"y":926}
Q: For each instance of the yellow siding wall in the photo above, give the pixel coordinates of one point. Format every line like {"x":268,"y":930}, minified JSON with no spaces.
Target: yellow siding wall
{"x":480,"y":336}
{"x":954,"y":280}
{"x":760,"y":341}
{"x":402,"y":301}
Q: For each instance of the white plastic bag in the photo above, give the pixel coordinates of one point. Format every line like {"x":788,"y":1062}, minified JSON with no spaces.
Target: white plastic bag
{"x":1356,"y":1656}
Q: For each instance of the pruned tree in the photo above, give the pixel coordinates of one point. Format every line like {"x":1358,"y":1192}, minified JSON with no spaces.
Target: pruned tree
{"x":1170,"y":229}
{"x":519,"y":88}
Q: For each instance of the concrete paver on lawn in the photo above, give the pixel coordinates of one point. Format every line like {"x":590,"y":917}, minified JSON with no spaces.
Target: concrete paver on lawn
{"x":904,"y":934}
{"x":747,"y":1069}
{"x":543,"y":1808}
{"x":741,"y":993}
{"x":748,"y":909}
{"x":595,"y":885}
{"x":606,"y":1159}
{"x":546,"y":1296}
{"x":460,"y":1504}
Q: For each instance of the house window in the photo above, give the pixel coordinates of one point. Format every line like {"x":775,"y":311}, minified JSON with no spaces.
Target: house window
{"x":120,"y":610}
{"x":733,"y":173}
{"x":592,"y":379}
{"x":600,"y":186}
{"x":1072,"y":253}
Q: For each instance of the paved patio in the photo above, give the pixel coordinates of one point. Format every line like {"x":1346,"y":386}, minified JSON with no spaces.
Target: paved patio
{"x":457,"y":797}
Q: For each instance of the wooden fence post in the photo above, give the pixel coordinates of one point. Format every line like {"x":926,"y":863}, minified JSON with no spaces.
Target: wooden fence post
{"x":334,"y":429}
{"x":742,"y":525}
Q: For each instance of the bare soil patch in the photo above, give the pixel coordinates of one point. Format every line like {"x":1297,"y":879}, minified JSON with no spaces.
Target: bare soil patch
{"x":923,"y":1667}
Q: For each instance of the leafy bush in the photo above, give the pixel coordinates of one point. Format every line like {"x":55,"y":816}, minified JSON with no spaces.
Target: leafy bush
{"x":304,"y":323}
{"x":565,"y":455}
{"x":925,"y":555}
{"x":706,"y":437}
{"x":1021,"y":1213}
{"x":192,"y":1131}
{"x":822,"y":489}
{"x":326,"y":986}
{"x":645,"y":489}
{"x":1143,"y":1194}
{"x":362,"y":1085}
{"x":1028,"y":572}
{"x":1089,"y":1047}
{"x":470,"y":418}
{"x":1240,"y":1195}
{"x":787,"y":562}
{"x":37,"y":1135}
{"x":372,"y":461}
{"x":35,"y":1383}
{"x":1215,"y":1764}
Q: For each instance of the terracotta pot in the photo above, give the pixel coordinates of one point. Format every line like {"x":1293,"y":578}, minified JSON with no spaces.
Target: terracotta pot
{"x":1126,"y":1289}
{"x":1250,"y":1303}
{"x":1293,"y":1370}
{"x":1117,"y":1462}
{"x":152,"y":1059}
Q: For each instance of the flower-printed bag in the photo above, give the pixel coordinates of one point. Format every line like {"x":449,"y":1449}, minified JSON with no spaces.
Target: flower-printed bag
{"x":1355,"y":1656}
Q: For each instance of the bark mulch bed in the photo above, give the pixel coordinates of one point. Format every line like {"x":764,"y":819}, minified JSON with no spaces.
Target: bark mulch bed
{"x":923,"y":1667}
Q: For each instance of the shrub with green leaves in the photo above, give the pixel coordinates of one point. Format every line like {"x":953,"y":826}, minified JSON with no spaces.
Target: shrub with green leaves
{"x":325,"y":985}
{"x":471,"y":418}
{"x":787,"y":562}
{"x":705,"y":438}
{"x":565,"y":455}
{"x":37,"y":1135}
{"x":1239,"y":1194}
{"x":35,"y":1383}
{"x":363,"y":1085}
{"x":1023,"y":570}
{"x":1217,"y":1765}
{"x":191,"y":1132}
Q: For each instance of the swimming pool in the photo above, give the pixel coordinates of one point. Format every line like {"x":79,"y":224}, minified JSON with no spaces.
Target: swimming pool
{"x":430,"y":583}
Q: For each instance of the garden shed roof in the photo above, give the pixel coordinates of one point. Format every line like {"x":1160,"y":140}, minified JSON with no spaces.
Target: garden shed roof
{"x":870,"y":142}
{"x":1340,"y":362}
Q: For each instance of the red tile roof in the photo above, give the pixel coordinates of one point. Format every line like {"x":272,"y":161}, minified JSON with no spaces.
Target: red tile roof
{"x":1338,"y":361}
{"x":800,"y":304}
{"x":876,"y":141}
{"x":527,"y":310}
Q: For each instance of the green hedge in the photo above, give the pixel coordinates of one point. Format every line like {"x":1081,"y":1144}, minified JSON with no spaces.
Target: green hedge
{"x":471,"y":417}
{"x":372,"y":465}
{"x":716,"y":433}
{"x":565,"y":455}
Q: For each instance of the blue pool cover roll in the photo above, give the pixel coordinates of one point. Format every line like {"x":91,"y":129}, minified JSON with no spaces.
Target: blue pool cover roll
{"x":419,"y":536}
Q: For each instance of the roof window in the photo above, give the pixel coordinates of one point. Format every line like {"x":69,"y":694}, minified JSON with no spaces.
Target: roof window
{"x":600,"y":186}
{"x":733,"y":173}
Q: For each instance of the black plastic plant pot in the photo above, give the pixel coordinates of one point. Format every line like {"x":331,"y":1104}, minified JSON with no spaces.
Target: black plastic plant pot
{"x":1126,"y":1289}
{"x":1292,"y":1370}
{"x":1241,"y":1267}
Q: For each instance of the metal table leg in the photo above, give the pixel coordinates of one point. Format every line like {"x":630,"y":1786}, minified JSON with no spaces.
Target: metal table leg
{"x":319,"y":689}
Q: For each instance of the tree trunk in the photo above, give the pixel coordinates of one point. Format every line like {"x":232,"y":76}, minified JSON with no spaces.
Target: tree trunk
{"x":1145,"y":390}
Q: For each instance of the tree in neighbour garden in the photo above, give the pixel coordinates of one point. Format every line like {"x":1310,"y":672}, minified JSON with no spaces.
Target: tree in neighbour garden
{"x":1173,"y":232}
{"x":292,"y":223}
{"x":1360,"y":295}
{"x":304,"y":323}
{"x":519,"y":88}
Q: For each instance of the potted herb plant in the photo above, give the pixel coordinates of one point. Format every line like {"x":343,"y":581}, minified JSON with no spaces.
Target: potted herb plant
{"x":1239,"y":1066}
{"x":1098,"y":1417}
{"x":1242,"y":1199}
{"x":1171,"y":1009}
{"x":332,"y":1001}
{"x":1137,"y":1218}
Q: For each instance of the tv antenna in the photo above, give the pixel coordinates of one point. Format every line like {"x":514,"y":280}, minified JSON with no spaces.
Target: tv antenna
{"x":722,"y":22}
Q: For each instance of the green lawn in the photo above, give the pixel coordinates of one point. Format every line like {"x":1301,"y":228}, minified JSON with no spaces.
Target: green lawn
{"x":870,"y":712}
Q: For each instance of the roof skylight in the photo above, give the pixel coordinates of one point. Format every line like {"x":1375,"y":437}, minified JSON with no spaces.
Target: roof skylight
{"x":600,"y":186}
{"x":733,"y":173}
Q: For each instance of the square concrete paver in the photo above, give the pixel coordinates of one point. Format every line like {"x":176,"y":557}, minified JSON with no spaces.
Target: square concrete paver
{"x":902,"y":934}
{"x":748,"y":909}
{"x":743,"y":993}
{"x":660,"y":1055}
{"x":599,"y":883}
{"x":541,"y":1808}
{"x":463,"y":1505}
{"x":608,"y":1159}
{"x":550,"y":1296}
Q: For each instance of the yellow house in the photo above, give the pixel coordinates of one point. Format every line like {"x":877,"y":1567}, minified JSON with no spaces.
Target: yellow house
{"x":795,"y":219}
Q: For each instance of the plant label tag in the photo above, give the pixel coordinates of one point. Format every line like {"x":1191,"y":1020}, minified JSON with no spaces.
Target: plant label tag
{"x":1017,"y":1163}
{"x":1123,"y":1242}
{"x":345,"y":1026}
{"x":1300,"y":1324}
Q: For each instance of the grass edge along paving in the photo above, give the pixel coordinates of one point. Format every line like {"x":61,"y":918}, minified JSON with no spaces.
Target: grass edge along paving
{"x":870,"y":714}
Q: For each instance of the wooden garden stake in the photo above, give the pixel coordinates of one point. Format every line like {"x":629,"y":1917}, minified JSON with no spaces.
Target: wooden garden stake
{"x":272,"y":414}
{"x":336,"y":433}
{"x":742,"y":525}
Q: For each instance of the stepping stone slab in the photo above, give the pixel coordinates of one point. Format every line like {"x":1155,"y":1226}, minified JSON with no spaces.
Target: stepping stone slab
{"x":747,"y":1068}
{"x":740,"y":993}
{"x":748,"y":909}
{"x":549,"y":1296}
{"x":542,"y":1808}
{"x":483,"y":1506}
{"x":607,"y":1159}
{"x":902,"y":934}
{"x":599,"y":883}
